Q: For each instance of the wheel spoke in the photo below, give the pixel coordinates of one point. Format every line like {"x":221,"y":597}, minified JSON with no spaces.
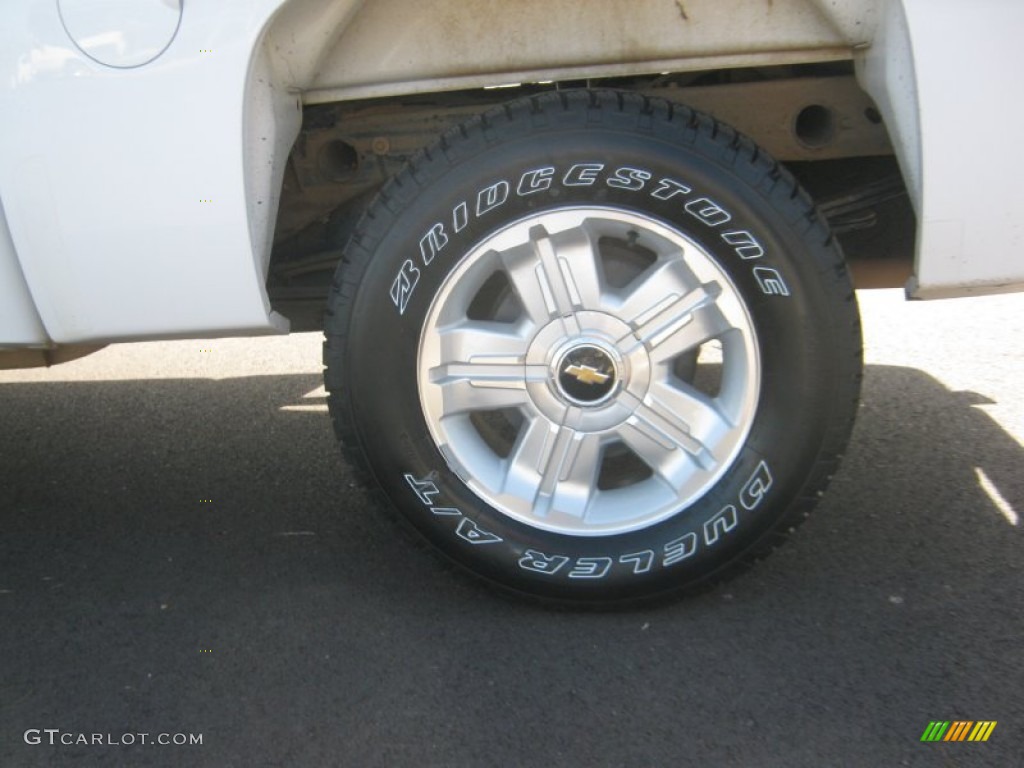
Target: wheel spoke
{"x":682,"y":324}
{"x":484,"y":341}
{"x":483,"y":368}
{"x":556,"y":467}
{"x":477,"y":387}
{"x":658,"y":287}
{"x":663,"y":440}
{"x":704,"y":421}
{"x":555,"y":275}
{"x":576,"y":255}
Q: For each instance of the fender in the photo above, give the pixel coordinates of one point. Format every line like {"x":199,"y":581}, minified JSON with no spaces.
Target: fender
{"x":934,"y":67}
{"x":130,"y":202}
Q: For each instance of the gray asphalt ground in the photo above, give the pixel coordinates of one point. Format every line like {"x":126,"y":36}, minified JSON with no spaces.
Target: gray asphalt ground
{"x":290,"y":624}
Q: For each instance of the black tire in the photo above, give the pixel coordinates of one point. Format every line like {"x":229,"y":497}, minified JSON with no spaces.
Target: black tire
{"x":776,"y":250}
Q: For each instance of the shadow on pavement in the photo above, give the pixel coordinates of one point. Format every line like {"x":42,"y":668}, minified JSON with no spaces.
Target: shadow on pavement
{"x":290,"y":624}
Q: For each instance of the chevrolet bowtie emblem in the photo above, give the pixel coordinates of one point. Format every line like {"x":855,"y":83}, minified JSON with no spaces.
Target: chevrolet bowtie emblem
{"x":586,"y":374}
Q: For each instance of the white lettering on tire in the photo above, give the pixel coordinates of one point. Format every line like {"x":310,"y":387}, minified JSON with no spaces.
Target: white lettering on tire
{"x":642,"y":561}
{"x":474,"y":534}
{"x":404,"y":284}
{"x":632,"y":179}
{"x":460,"y":217}
{"x":491,"y":197}
{"x":432,"y":243}
{"x":744,"y":243}
{"x":535,"y":181}
{"x":591,"y":568}
{"x":675,"y":551}
{"x":708,"y":211}
{"x":446,"y":511}
{"x":627,"y":178}
{"x":771,"y":281}
{"x":679,"y":549}
{"x":582,"y":175}
{"x":723,"y":521}
{"x":669,"y":188}
{"x":538,"y":562}
{"x":757,"y":486}
{"x":467,"y":530}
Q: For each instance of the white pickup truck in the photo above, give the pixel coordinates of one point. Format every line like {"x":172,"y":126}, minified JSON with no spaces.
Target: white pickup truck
{"x":583,"y":267}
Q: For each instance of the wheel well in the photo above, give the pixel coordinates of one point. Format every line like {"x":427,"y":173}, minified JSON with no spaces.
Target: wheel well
{"x":813,"y":117}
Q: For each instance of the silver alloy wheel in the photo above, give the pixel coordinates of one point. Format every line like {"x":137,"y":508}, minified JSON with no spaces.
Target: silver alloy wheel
{"x":588,"y":371}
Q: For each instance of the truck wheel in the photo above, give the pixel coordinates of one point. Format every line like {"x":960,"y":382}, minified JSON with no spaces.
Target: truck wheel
{"x":595,"y":348}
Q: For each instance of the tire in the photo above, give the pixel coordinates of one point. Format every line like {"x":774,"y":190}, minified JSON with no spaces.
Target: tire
{"x":595,"y":348}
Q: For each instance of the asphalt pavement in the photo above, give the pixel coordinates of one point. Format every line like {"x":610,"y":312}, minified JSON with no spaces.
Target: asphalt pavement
{"x":184,"y":554}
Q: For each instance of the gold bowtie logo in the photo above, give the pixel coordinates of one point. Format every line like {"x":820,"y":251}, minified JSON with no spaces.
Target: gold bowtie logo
{"x":586,"y":374}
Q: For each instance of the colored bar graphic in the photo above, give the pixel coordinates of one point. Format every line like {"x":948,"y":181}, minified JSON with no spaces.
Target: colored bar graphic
{"x":958,"y":730}
{"x":982,"y":730}
{"x":935,"y":730}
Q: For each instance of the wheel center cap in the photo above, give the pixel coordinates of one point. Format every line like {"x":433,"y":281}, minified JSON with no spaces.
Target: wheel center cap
{"x":586,"y":375}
